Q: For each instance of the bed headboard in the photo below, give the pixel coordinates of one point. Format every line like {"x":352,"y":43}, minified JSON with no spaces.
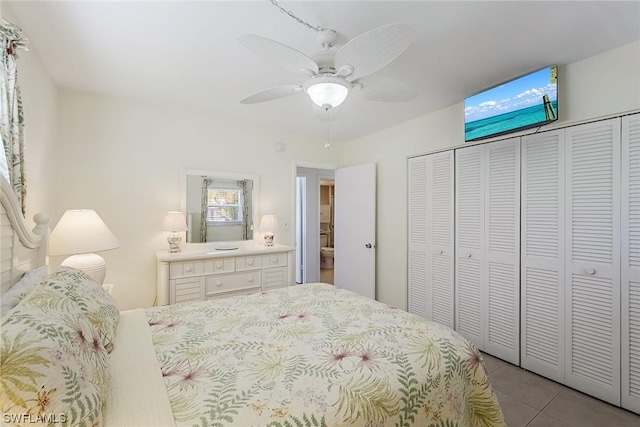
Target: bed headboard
{"x":20,"y":249}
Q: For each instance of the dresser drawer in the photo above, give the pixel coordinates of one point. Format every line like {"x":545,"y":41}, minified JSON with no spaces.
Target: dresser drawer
{"x":248,"y":263}
{"x":274,"y":260}
{"x":200,"y":268}
{"x":233,"y":282}
{"x":274,"y":277}
{"x":186,"y":290}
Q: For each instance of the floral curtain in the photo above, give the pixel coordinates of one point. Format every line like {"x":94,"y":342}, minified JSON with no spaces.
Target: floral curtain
{"x":242,"y":184}
{"x":12,"y":126}
{"x":206,"y":181}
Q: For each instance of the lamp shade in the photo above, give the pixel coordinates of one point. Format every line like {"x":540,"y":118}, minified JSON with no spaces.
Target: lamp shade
{"x":328,"y":90}
{"x":268,"y":223}
{"x":175,"y":221}
{"x":81,"y":231}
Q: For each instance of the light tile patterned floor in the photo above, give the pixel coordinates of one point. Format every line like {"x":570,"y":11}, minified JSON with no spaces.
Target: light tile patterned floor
{"x":533,"y":401}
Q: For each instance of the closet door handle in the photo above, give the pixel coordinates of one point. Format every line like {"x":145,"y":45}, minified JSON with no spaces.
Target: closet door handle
{"x":440,"y":252}
{"x":469,"y":255}
{"x":591,"y":271}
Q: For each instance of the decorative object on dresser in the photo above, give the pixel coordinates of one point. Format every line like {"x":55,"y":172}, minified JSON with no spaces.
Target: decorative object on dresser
{"x":175,"y":222}
{"x":204,"y":274}
{"x":79,"y":233}
{"x":268,"y":224}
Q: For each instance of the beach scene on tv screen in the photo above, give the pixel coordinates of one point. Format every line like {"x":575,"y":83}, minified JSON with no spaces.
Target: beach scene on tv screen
{"x":520,"y":103}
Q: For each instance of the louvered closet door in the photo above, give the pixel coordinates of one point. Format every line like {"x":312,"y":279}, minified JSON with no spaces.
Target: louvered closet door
{"x":542,"y":254}
{"x":431,"y":237}
{"x":440,"y":242}
{"x":469,"y":271}
{"x":502,"y":249}
{"x":593,"y":259}
{"x":418,"y":265}
{"x":631,"y":262}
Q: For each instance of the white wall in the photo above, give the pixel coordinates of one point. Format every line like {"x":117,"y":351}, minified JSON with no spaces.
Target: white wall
{"x":39,"y":99}
{"x":123,"y":159}
{"x":599,"y":86}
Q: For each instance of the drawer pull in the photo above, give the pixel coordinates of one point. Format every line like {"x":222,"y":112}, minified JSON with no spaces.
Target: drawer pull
{"x":250,"y":262}
{"x":250,"y":279}
{"x":218,"y":284}
{"x":218,"y":265}
{"x":274,"y":259}
{"x":188,"y":269}
{"x":591,"y":271}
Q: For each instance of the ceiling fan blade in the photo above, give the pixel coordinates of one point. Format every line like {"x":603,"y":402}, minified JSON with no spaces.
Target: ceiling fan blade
{"x":278,"y":54}
{"x":272,"y":93}
{"x":385,"y":89}
{"x":374,"y":49}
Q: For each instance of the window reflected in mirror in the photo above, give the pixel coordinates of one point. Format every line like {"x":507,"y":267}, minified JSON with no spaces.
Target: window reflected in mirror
{"x":219,"y":209}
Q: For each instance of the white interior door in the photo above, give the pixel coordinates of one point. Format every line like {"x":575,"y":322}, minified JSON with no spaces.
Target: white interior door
{"x":502,"y":249}
{"x":631,"y":263}
{"x":355,"y":229}
{"x":542,"y":254}
{"x":593,"y":259}
{"x":470,"y":310}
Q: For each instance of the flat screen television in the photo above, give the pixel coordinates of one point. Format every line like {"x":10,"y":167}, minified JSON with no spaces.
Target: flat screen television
{"x":525,"y":102}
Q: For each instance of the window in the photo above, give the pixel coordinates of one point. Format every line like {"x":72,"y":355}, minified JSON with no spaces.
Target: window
{"x":224,"y":205}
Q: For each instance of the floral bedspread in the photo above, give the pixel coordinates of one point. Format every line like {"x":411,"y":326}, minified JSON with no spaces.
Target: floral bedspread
{"x":314,"y":355}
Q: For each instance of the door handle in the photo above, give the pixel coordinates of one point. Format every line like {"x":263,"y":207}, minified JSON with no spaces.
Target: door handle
{"x":368,"y":246}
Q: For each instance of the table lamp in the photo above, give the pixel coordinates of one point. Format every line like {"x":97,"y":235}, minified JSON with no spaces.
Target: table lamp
{"x":175,"y":222}
{"x":268,"y":224}
{"x":79,"y":233}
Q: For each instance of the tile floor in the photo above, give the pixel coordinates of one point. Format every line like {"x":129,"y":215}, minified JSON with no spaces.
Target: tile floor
{"x":326,"y":275}
{"x":533,"y":401}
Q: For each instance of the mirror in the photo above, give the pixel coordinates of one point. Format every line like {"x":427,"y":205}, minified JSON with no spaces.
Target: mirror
{"x":220,"y":206}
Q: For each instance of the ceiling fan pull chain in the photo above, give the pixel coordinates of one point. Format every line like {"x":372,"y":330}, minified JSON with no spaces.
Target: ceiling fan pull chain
{"x":300,"y":21}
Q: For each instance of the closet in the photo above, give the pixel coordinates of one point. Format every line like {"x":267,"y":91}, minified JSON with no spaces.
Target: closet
{"x":431,"y":237}
{"x":570,"y":257}
{"x":487,"y":295}
{"x":547,"y":253}
{"x":630,"y":260}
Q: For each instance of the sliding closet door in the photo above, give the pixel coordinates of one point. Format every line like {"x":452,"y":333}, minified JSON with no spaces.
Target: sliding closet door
{"x":431,"y":237}
{"x":593,"y":259}
{"x":502,"y":249}
{"x":542,"y":254}
{"x":469,"y":268}
{"x":631,"y":262}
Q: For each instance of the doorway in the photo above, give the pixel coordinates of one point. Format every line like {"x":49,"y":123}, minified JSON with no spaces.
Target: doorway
{"x":314,"y":224}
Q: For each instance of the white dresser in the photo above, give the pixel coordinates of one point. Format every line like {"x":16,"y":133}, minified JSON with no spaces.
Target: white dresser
{"x":209,"y":274}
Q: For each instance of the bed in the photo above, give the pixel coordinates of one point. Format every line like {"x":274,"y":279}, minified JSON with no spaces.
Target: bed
{"x":308,"y":355}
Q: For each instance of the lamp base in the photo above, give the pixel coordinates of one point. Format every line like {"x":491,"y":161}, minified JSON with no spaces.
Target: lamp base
{"x":92,"y":264}
{"x":268,"y":238}
{"x":174,"y":240}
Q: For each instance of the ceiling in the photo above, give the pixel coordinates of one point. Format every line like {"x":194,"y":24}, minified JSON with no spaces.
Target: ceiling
{"x":185,"y":55}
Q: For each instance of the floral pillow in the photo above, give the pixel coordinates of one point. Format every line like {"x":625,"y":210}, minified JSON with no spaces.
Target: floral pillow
{"x":90,"y":298}
{"x":54,"y":366}
{"x":26,"y":284}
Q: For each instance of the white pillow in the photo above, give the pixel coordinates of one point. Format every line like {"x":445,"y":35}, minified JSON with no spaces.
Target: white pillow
{"x":29,"y":280}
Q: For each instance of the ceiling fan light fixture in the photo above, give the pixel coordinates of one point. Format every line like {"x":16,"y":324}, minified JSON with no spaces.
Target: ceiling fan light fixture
{"x":330,"y":91}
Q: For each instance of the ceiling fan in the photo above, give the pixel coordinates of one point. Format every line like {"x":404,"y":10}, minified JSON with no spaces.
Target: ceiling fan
{"x":332,"y":74}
